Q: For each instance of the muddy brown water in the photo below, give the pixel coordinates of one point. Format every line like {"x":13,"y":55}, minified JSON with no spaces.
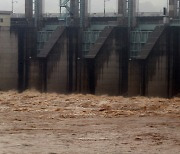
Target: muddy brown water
{"x":37,"y":123}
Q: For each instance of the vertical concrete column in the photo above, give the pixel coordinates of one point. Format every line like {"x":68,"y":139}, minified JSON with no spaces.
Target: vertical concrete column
{"x":83,"y":13}
{"x":39,"y":10}
{"x":28,"y":9}
{"x":122,"y":6}
{"x":134,"y":12}
{"x":74,"y":8}
{"x":127,"y":8}
{"x":172,"y":8}
{"x":134,"y":7}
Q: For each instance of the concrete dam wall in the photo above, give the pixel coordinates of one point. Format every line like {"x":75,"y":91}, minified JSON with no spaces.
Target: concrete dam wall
{"x":106,"y":69}
{"x":16,"y":49}
{"x":155,"y":72}
{"x":8,"y":59}
{"x":107,"y":63}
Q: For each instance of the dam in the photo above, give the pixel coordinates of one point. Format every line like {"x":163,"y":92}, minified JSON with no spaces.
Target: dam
{"x":127,"y":53}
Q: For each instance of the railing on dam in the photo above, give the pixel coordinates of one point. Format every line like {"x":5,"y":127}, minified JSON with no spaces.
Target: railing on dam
{"x":95,"y":14}
{"x":175,"y":22}
{"x":43,"y":36}
{"x":138,"y":40}
{"x":89,"y":38}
